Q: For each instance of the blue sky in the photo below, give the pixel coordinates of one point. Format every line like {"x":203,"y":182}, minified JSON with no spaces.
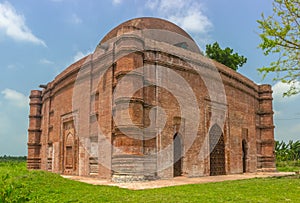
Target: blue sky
{"x":39,"y":39}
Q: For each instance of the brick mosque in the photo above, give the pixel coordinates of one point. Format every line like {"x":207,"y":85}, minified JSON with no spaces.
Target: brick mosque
{"x":183,"y":115}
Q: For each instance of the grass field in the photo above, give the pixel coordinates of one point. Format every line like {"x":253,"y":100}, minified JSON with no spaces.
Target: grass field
{"x":288,"y":165}
{"x":19,"y":185}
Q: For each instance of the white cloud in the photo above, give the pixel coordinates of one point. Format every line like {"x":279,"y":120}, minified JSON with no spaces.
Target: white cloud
{"x":75,"y":19}
{"x":185,"y":13}
{"x":15,"y":66}
{"x":15,"y":98}
{"x":296,"y":129}
{"x":286,"y":113}
{"x":14,"y":109}
{"x":13,"y":25}
{"x":277,"y":113}
{"x":279,"y":88}
{"x":166,"y":5}
{"x":46,"y":61}
{"x":287,"y":129}
{"x":11,"y":67}
{"x":194,"y":22}
{"x":79,"y":55}
{"x":116,"y":2}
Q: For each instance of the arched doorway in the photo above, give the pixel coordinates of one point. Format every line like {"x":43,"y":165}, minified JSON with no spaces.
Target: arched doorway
{"x":177,"y":155}
{"x":69,"y":163}
{"x":245,"y":149}
{"x":217,"y":151}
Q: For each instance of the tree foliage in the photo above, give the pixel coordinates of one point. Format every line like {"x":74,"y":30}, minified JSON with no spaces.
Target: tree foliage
{"x":281,"y":36}
{"x":225,"y":56}
{"x":287,"y":151}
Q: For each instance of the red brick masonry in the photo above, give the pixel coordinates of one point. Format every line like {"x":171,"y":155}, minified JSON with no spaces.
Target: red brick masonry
{"x":89,"y":133}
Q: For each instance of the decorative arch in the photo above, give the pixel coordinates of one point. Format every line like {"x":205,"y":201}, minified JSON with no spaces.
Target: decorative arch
{"x":70,"y":140}
{"x":177,"y":155}
{"x":217,"y":151}
{"x":69,"y":154}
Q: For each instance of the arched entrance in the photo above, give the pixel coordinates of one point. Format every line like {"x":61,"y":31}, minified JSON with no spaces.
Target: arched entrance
{"x":217,"y":151}
{"x":245,"y":149}
{"x":177,"y":155}
{"x":69,"y":163}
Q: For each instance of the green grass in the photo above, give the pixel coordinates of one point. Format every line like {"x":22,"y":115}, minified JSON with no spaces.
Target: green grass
{"x":18,"y":185}
{"x":288,"y":166}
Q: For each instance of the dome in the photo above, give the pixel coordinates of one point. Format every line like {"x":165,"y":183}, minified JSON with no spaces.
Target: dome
{"x":159,"y":29}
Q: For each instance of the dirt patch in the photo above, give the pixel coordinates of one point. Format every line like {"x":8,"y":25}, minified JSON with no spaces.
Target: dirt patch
{"x":177,"y":181}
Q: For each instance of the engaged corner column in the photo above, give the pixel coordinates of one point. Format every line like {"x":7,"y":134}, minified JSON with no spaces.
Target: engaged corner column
{"x":34,"y":131}
{"x":266,"y":126}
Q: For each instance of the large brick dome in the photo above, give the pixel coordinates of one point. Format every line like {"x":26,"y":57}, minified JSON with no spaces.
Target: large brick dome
{"x":145,"y":105}
{"x":159,"y":29}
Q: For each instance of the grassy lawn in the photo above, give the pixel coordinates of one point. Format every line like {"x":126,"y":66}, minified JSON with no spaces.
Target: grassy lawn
{"x":288,"y":165}
{"x":19,"y":185}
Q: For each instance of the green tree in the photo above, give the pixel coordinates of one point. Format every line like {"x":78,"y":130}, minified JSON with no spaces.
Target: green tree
{"x":281,"y":36}
{"x":294,"y":150}
{"x":225,"y":56}
{"x":287,"y":152}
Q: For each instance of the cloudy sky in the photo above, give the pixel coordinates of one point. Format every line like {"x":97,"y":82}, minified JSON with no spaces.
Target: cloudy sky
{"x":39,"y":39}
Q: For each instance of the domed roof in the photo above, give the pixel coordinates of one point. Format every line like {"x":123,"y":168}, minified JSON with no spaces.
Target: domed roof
{"x":150,"y":23}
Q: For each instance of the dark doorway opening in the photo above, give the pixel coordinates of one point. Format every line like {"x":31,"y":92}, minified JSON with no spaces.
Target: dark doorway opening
{"x":245,"y":149}
{"x":177,"y":155}
{"x":217,"y":151}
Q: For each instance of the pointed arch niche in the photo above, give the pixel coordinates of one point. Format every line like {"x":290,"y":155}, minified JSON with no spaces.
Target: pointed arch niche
{"x":217,"y":151}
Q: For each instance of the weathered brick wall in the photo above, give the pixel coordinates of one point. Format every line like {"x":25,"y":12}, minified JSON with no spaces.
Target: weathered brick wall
{"x":107,"y":138}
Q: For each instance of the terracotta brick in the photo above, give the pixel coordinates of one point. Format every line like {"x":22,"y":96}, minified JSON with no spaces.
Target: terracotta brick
{"x":85,"y":123}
